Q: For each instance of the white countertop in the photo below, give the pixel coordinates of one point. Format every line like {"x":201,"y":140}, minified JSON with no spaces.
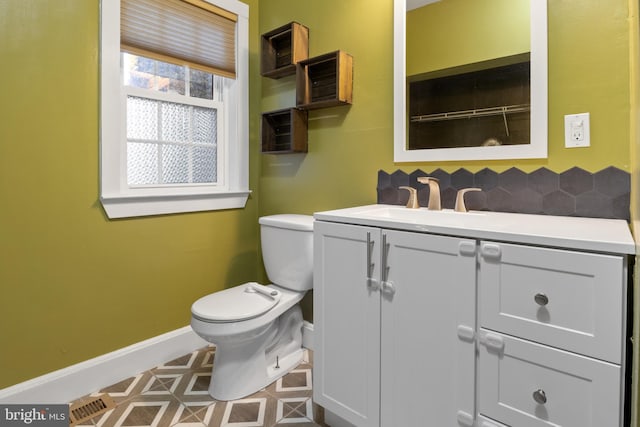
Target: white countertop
{"x":591,"y":234}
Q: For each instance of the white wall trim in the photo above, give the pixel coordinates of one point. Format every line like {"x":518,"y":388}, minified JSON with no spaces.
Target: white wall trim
{"x":67,"y":384}
{"x":75,"y":381}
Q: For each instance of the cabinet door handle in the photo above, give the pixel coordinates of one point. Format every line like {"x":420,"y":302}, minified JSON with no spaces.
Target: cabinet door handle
{"x":540,"y":397}
{"x":385,"y":259}
{"x":388,"y":288}
{"x":541,"y":299}
{"x":371,"y":283}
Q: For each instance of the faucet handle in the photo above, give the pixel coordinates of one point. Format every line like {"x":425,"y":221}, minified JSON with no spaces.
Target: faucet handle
{"x":412,"y":203}
{"x":460,"y":206}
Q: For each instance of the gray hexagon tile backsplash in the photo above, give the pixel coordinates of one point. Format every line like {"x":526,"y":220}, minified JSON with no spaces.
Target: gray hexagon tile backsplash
{"x":574,"y":192}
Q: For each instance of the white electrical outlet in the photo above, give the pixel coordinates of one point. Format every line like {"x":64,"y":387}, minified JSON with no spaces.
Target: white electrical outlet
{"x":576,"y":130}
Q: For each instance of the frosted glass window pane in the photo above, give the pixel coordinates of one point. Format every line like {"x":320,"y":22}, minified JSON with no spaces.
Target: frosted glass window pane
{"x":142,"y":118}
{"x":175,"y":122}
{"x":142,"y":163}
{"x":204,"y":164}
{"x":175,"y":164}
{"x":205,"y":125}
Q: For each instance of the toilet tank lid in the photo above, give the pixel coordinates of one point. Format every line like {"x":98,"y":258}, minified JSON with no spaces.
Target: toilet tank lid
{"x":289,"y":221}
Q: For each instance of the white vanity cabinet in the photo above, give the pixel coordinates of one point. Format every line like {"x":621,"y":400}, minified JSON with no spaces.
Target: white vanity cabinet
{"x":470,"y":320}
{"x":394,"y":322}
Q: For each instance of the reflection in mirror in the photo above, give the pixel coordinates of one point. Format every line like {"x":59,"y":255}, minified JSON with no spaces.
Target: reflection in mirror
{"x":484,"y":108}
{"x":475,"y":85}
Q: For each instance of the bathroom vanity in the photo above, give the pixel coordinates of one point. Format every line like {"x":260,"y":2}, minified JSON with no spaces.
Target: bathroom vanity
{"x":481,"y":319}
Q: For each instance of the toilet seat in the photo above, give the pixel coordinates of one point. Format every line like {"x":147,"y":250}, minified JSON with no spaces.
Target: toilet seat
{"x":235,"y":304}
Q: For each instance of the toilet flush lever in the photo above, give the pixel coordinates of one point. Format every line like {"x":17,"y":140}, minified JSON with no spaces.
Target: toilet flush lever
{"x":262,"y":290}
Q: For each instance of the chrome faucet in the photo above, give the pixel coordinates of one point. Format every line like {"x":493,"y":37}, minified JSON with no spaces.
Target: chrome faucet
{"x":434,"y":192}
{"x":412,"y":203}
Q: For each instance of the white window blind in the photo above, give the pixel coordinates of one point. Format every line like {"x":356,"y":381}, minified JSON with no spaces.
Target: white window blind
{"x":185,"y":32}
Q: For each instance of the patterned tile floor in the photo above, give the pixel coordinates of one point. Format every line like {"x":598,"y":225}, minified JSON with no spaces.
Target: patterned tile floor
{"x":175,"y":394}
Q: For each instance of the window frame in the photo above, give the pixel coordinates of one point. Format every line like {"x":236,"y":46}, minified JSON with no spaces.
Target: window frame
{"x":118,"y":199}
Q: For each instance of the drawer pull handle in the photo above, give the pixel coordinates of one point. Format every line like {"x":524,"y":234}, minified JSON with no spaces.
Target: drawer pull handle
{"x":540,"y":397}
{"x":541,"y":299}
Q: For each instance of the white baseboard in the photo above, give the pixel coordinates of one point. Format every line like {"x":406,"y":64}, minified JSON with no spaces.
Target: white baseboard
{"x":75,"y":381}
{"x":86,"y":377}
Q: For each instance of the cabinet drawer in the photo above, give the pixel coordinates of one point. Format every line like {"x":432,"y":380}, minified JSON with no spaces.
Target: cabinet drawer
{"x":525,"y":384}
{"x":569,"y":300}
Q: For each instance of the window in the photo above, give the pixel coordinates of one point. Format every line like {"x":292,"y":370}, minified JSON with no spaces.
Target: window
{"x":171,"y":123}
{"x":174,"y":106}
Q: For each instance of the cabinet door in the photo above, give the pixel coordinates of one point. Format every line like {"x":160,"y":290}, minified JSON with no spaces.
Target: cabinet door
{"x":347,"y":322}
{"x":570,"y":300}
{"x":428,"y":326}
{"x":524,"y":384}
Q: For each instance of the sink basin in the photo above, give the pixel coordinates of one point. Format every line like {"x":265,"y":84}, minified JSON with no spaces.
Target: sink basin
{"x":447,"y":217}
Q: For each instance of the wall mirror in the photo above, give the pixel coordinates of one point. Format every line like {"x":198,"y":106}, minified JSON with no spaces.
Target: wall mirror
{"x":466,"y":55}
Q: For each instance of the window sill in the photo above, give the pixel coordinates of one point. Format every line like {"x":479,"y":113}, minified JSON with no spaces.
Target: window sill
{"x":118,"y":206}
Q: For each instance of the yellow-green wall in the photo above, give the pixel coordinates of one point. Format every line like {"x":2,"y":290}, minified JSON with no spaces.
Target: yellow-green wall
{"x":588,"y":72}
{"x":73,"y":284}
{"x":588,"y":44}
{"x":348,"y":144}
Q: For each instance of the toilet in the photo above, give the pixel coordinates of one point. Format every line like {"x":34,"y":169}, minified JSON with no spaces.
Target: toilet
{"x":257,"y":329}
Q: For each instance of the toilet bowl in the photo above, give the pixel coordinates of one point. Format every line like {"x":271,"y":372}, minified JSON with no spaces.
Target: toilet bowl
{"x":257,"y":329}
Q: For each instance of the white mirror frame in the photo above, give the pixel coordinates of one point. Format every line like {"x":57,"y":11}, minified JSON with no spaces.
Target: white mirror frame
{"x":539,"y":128}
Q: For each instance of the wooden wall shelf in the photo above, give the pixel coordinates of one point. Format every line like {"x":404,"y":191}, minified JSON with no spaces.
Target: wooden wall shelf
{"x":282,"y":49}
{"x":324,"y":81}
{"x":284,"y":131}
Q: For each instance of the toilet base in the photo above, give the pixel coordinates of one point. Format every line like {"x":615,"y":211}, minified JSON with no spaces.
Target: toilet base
{"x":242,"y":369}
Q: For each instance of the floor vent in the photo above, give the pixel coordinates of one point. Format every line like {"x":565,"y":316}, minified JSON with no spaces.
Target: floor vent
{"x":83,"y":411}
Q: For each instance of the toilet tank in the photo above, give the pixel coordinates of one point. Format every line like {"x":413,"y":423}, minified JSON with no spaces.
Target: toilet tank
{"x":287,"y":250}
